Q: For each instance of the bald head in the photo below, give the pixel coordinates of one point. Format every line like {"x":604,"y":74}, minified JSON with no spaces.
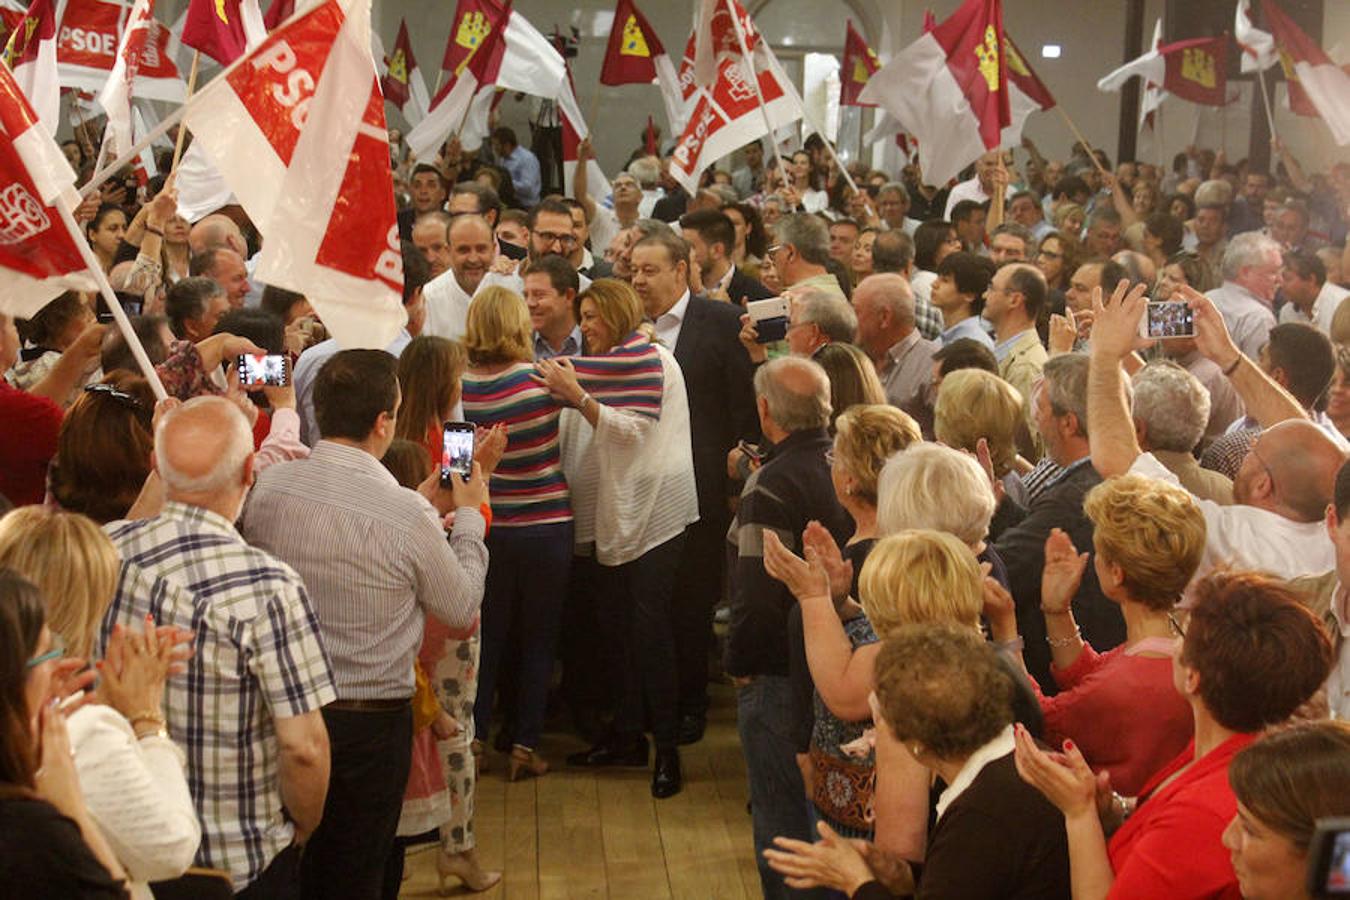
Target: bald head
{"x":216,"y":230}
{"x":472,"y":249}
{"x":885,"y":307}
{"x":204,"y":453}
{"x":1291,"y":469}
{"x":794,"y":394}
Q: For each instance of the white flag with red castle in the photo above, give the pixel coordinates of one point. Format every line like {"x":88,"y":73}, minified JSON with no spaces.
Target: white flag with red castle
{"x":574,"y":131}
{"x":297,"y":129}
{"x":726,"y":114}
{"x":39,"y":258}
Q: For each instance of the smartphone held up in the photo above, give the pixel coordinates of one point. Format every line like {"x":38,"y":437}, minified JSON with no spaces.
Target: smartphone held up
{"x":457,"y":446}
{"x":263,"y":370}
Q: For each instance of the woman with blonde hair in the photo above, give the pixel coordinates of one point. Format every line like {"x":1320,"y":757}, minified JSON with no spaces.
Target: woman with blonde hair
{"x":130,"y":771}
{"x":1120,"y":707}
{"x":630,"y":466}
{"x":853,"y":378}
{"x":973,"y":404}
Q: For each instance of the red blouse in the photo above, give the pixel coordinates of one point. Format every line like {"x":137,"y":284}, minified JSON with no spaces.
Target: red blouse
{"x":1171,"y":846}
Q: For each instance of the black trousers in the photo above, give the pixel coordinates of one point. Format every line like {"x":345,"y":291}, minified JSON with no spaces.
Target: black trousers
{"x":581,"y":647}
{"x":636,"y":616}
{"x":371,"y":754}
{"x":698,"y":587}
{"x":279,"y":881}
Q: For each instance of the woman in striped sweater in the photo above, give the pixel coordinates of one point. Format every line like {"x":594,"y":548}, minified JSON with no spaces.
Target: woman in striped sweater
{"x":630,"y":463}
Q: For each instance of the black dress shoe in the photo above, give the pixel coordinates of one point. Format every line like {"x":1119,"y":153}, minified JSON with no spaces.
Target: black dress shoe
{"x":502,"y":743}
{"x":634,"y":755}
{"x":691,"y":728}
{"x":666,"y":780}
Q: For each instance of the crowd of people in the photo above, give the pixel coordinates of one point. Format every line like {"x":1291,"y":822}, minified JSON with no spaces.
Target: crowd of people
{"x":1016,"y":601}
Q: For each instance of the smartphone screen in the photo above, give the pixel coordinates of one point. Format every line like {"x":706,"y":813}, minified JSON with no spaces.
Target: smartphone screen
{"x":456,"y":452}
{"x":265,"y":369}
{"x":1170,"y":319}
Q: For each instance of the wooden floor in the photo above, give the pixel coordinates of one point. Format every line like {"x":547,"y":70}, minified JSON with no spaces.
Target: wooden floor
{"x":580,"y":833}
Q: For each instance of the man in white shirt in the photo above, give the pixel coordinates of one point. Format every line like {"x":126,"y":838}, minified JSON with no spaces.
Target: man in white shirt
{"x":1308,"y":295}
{"x":472,"y":248}
{"x":1284,"y":484}
{"x":1328,"y":595}
{"x":1251,"y":274}
{"x":981,"y":187}
{"x":893,"y":203}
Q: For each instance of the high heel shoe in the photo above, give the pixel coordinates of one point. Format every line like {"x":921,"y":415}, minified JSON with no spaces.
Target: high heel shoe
{"x":479,"y":757}
{"x":466,"y":868}
{"x":525,"y":761}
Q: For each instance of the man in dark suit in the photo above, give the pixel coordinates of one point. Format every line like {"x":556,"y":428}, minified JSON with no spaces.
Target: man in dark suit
{"x":719,"y":381}
{"x":711,"y":236}
{"x":428,"y":191}
{"x":1059,"y":402}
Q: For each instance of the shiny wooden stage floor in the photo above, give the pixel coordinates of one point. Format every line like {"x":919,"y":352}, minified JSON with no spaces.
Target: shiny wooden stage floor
{"x":579,"y":833}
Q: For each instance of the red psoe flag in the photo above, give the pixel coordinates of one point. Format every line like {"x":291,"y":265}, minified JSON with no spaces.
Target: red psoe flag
{"x":223,"y":29}
{"x":949,"y":89}
{"x":860,"y":64}
{"x":297,"y":129}
{"x":1311,"y":75}
{"x":38,"y":256}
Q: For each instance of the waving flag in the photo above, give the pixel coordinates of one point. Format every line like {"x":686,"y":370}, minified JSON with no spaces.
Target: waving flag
{"x":223,"y":29}
{"x":1194,"y":70}
{"x":39,"y":258}
{"x":949,"y":89}
{"x":88,"y":31}
{"x":402,"y":83}
{"x":860,"y":64}
{"x":1258,"y":47}
{"x":1313,"y":79}
{"x":574,"y":131}
{"x":115,"y":98}
{"x":1153,"y":94}
{"x":31,"y":55}
{"x":298,"y":130}
{"x":635,"y":55}
{"x":278,"y":12}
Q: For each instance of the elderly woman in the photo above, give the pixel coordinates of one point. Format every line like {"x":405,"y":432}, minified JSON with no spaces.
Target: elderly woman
{"x":1119,"y":707}
{"x":130,"y":772}
{"x":974,"y":405}
{"x":942,"y":695}
{"x":632,"y":476}
{"x":1252,"y":655}
{"x":1283,"y":784}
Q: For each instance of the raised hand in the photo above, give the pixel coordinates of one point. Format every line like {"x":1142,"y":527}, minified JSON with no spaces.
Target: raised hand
{"x":1062,"y":574}
{"x":805,"y":579}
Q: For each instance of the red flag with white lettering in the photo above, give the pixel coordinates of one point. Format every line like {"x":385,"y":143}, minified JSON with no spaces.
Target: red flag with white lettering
{"x":86,"y":49}
{"x":39,"y":258}
{"x":297,"y":129}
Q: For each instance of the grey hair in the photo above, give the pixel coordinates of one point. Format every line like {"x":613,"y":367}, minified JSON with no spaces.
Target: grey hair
{"x":1172,"y":404}
{"x":1215,"y":192}
{"x":1017,"y":230}
{"x":1249,"y":248}
{"x":831,"y":315}
{"x":931,"y":486}
{"x":790,"y":410}
{"x":725,"y":194}
{"x":894,"y":187}
{"x":808,"y":234}
{"x":773,"y":200}
{"x":646,"y":171}
{"x":236,"y":447}
{"x":1065,"y":379}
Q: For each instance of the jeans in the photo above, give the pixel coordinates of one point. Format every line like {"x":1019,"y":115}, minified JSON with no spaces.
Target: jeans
{"x":764,"y":718}
{"x":636,"y":611}
{"x":371,"y":753}
{"x":522,"y":605}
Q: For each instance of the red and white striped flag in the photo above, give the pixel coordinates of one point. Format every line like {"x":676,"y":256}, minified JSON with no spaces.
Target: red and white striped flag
{"x":87,"y":34}
{"x":39,"y":257}
{"x":297,"y":128}
{"x":949,"y":89}
{"x":31,"y":56}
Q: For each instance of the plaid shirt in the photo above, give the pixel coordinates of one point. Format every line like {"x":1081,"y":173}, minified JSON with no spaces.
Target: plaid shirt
{"x":258,"y":657}
{"x":927,"y":319}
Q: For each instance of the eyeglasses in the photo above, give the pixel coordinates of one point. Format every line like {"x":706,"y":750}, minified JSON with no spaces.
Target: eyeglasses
{"x":113,"y":393}
{"x":549,"y":237}
{"x":58,"y":650}
{"x":774,"y":249}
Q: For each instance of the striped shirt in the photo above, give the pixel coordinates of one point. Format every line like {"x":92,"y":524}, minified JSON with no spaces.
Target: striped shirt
{"x":374,"y":558}
{"x":258,"y":657}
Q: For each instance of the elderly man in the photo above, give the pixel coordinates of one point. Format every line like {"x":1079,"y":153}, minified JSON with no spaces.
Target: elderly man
{"x":226,"y":268}
{"x":1024,"y":209}
{"x":893,"y":203}
{"x":793,"y":488}
{"x":471,"y":251}
{"x":1009,"y":242}
{"x":814,"y":319}
{"x":247,"y":713}
{"x":1103,"y":232}
{"x":1251,"y":275}
{"x":717,"y":375}
{"x":376,"y":560}
{"x":1171,"y":408}
{"x":886,"y":333}
{"x":1290,"y":229}
{"x":1285,"y":482}
{"x":431,"y":235}
{"x":800,"y":252}
{"x":980,"y":188}
{"x":1308,"y":295}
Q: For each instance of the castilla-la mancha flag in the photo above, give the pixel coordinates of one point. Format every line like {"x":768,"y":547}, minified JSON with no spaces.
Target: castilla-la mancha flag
{"x":949,"y":89}
{"x":1194,"y":70}
{"x":297,"y":129}
{"x":31,"y":56}
{"x":38,"y":255}
{"x":1313,"y":79}
{"x":860,"y":64}
{"x":402,"y":82}
{"x":635,"y":55}
{"x":223,"y":29}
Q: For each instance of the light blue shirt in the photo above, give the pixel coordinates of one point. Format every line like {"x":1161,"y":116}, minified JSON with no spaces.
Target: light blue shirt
{"x":523,"y":167}
{"x":571,"y":345}
{"x":1002,"y":350}
{"x":968,"y":328}
{"x":307,"y":370}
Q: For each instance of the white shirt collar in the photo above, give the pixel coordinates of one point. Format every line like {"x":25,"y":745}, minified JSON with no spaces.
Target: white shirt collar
{"x":998,"y":748}
{"x":675,"y":314}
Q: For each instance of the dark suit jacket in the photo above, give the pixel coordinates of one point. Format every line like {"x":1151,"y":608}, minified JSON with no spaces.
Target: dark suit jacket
{"x":670,"y":207}
{"x":599,"y":269}
{"x":719,"y":380}
{"x":1022,"y":547}
{"x":742,"y":285}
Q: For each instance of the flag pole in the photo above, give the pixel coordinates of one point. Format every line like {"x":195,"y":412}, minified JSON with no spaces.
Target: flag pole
{"x":105,"y":172}
{"x":1082,"y":140}
{"x":182,"y":131}
{"x":759,"y":94}
{"x":1265,"y":98}
{"x":110,"y":297}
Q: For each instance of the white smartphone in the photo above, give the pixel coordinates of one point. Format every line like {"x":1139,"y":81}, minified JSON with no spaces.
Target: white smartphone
{"x":1168,"y":319}
{"x":770,"y":317}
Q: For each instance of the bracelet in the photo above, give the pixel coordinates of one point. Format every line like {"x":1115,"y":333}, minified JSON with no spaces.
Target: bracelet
{"x":1016,"y":645}
{"x":154,"y":716}
{"x":1065,"y":642}
{"x":155,"y":231}
{"x":160,"y":732}
{"x":581,"y":404}
{"x":1233,"y":367}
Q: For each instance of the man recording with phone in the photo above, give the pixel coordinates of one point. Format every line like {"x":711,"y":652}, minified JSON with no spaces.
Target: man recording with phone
{"x":375,"y":559}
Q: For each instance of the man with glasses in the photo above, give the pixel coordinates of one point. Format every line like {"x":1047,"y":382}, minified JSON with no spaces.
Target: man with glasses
{"x":551,"y":232}
{"x":893,"y":206}
{"x":799,"y":254}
